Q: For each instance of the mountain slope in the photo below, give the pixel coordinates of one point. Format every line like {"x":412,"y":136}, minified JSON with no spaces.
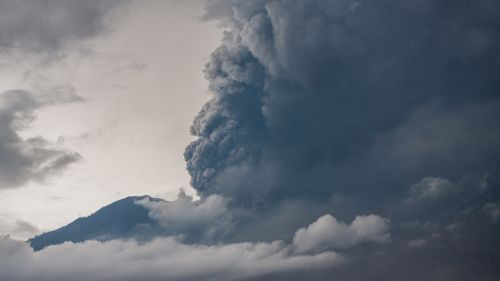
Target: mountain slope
{"x":121,"y":219}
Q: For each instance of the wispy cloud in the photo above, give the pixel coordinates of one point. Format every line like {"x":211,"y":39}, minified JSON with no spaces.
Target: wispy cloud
{"x":23,"y":160}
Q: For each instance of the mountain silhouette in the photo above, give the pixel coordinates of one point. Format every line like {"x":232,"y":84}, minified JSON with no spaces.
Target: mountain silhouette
{"x":121,"y":219}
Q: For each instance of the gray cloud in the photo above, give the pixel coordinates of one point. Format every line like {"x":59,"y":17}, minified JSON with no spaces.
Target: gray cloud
{"x":417,"y":243}
{"x":47,"y":27}
{"x":432,"y":188}
{"x":493,"y":210}
{"x":16,"y":228}
{"x":23,"y":160}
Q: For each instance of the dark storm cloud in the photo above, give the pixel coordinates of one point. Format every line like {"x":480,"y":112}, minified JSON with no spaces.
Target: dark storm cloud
{"x":50,"y":25}
{"x":26,"y":159}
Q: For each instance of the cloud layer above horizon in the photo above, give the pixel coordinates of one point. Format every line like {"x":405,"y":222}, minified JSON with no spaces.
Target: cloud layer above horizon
{"x":160,"y":259}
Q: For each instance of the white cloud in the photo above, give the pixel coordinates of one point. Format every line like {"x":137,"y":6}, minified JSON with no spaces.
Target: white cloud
{"x":162,"y":259}
{"x":327,"y":232}
{"x":204,"y":217}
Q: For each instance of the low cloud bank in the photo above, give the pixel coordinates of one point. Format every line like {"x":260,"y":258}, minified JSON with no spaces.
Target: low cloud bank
{"x":161,"y":259}
{"x":169,"y":258}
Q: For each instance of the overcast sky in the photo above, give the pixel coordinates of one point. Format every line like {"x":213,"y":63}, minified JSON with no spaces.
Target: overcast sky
{"x":141,"y":84}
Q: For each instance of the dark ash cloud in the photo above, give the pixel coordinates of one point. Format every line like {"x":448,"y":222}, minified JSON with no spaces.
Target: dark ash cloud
{"x":306,"y":92}
{"x":355,"y":107}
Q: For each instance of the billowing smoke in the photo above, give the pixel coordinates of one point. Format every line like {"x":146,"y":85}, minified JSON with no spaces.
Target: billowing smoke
{"x":231,"y":125}
{"x":317,"y":97}
{"x":201,"y":220}
{"x":354,"y":107}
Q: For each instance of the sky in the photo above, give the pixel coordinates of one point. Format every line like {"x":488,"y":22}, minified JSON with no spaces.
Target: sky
{"x":315,"y":140}
{"x":139,"y":91}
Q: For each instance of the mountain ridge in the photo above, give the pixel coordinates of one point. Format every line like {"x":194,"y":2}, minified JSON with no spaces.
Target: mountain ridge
{"x":120,"y":219}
